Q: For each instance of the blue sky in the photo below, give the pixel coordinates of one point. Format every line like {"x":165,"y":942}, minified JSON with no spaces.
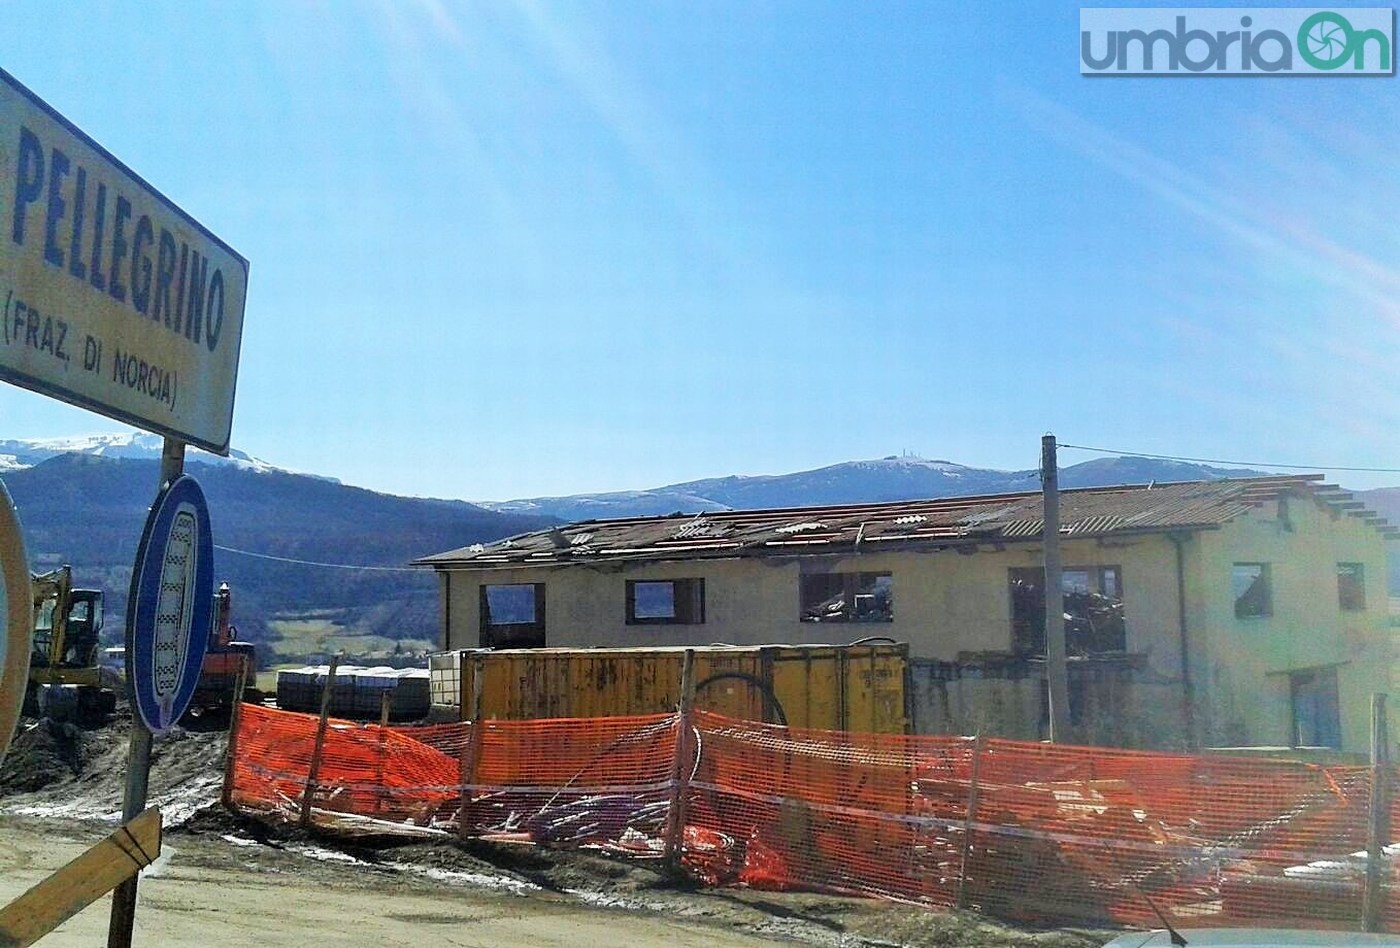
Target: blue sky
{"x":510,"y":249}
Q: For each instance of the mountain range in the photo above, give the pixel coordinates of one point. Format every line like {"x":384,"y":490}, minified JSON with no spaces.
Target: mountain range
{"x":317,"y":565}
{"x":901,"y":477}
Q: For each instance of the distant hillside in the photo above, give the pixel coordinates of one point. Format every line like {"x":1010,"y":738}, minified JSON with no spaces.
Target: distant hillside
{"x":854,"y":482}
{"x":89,"y":510}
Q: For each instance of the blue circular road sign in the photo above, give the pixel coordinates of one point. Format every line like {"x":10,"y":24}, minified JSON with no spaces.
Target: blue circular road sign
{"x":171,"y":605}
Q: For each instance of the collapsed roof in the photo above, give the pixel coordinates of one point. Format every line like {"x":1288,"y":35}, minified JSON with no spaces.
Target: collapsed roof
{"x":947,"y":522}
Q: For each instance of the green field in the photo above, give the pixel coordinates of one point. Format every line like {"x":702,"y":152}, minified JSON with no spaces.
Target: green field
{"x":328,"y":632}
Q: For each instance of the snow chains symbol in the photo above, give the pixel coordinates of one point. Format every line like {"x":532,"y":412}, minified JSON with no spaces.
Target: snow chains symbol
{"x":174,"y":607}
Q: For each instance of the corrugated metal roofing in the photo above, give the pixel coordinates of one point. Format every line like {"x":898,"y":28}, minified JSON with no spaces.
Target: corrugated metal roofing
{"x":944,"y":522}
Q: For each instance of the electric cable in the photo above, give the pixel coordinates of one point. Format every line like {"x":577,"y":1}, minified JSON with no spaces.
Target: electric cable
{"x":289,"y":559}
{"x":1291,"y":467}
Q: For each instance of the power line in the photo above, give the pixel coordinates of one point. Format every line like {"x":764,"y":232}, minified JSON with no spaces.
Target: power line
{"x":288,"y":559}
{"x":1291,"y":467}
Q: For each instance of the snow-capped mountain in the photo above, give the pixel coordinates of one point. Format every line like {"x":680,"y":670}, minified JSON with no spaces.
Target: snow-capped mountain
{"x":901,"y":477}
{"x":18,"y":454}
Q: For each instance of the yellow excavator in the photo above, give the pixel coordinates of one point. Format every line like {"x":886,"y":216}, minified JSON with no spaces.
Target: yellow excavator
{"x":66,"y":680}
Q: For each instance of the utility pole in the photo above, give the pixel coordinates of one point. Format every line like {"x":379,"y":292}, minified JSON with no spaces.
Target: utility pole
{"x":1055,"y":671}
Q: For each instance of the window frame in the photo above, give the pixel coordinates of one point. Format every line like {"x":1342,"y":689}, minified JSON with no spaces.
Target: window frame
{"x":1030,"y":631}
{"x":1356,"y":602}
{"x":507,"y":634}
{"x":852,"y":582}
{"x":1314,"y":702}
{"x":1266,"y":574}
{"x":689,"y":590}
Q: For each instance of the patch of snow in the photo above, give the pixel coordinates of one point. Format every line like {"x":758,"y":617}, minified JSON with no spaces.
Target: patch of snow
{"x":161,"y":863}
{"x":459,"y":877}
{"x":451,"y":876}
{"x":73,"y":810}
{"x":177,"y":805}
{"x":321,"y":854}
{"x":180,"y":803}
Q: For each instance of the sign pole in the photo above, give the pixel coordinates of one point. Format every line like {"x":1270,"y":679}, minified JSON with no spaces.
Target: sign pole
{"x":138,"y":760}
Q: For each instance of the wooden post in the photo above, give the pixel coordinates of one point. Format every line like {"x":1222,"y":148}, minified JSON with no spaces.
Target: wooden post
{"x":471,"y":751}
{"x":313,"y":770}
{"x":235,"y":718}
{"x":1055,"y":671}
{"x":1378,"y":822}
{"x":969,"y":820}
{"x":386,"y":698}
{"x":84,"y":880}
{"x":681,"y":765}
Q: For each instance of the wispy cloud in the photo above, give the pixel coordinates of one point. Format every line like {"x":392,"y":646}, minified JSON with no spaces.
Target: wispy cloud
{"x":1289,"y":240}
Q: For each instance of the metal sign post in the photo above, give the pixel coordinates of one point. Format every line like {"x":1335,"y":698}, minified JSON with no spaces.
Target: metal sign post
{"x":17,"y":616}
{"x":167,"y":632}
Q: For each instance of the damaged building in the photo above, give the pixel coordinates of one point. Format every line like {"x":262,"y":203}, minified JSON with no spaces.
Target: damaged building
{"x":1248,"y":611}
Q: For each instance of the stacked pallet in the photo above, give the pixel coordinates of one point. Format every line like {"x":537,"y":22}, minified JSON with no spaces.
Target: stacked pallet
{"x":357,"y":692}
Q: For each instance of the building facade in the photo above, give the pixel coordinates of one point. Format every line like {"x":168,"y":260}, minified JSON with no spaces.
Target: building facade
{"x":1249,"y":611}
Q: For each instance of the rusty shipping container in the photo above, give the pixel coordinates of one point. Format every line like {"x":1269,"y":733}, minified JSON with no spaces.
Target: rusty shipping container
{"x":832,"y":687}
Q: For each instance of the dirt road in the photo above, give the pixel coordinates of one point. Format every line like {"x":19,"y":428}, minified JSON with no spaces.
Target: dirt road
{"x":212,"y":892}
{"x":216,"y":888}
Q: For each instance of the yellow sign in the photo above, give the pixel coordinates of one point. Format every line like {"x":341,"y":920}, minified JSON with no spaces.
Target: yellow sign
{"x":114,"y":298}
{"x":17,"y":616}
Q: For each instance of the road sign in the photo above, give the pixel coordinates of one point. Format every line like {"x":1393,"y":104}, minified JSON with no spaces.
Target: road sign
{"x":171,"y":605}
{"x":17,"y":614}
{"x":113,"y":298}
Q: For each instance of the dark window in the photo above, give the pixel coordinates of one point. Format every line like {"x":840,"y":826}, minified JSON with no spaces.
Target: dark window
{"x":1093,"y":600}
{"x":1254,"y":597}
{"x":665,"y":601}
{"x":846,"y":597}
{"x":1351,"y":586}
{"x":512,"y":615}
{"x":1316,"y":719}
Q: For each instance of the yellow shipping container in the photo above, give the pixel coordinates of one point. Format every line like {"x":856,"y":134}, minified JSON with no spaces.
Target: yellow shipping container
{"x":832,"y":687}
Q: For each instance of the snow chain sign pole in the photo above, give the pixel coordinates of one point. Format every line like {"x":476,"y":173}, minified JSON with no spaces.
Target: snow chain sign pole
{"x":167,"y":632}
{"x":1055,"y":671}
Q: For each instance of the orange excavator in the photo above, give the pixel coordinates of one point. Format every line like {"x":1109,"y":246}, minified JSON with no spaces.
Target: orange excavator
{"x":223,"y":661}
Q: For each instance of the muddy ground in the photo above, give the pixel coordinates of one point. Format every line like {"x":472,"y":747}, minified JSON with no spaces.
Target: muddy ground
{"x":227,"y":881}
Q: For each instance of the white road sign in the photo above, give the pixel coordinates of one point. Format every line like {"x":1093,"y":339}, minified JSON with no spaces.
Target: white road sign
{"x":114,"y":298}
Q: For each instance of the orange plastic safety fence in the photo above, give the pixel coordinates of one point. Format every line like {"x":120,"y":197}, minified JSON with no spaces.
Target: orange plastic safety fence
{"x":371,"y":772}
{"x":1045,"y":833}
{"x":1038,"y":832}
{"x":603,"y":781}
